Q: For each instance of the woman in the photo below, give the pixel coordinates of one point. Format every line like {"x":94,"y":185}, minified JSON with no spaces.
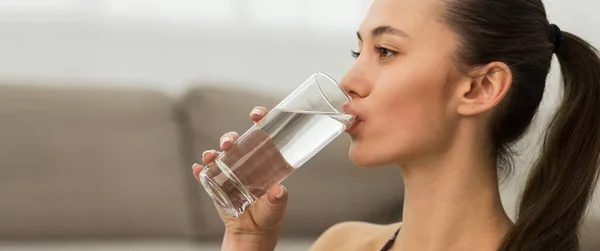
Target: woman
{"x":443,"y":88}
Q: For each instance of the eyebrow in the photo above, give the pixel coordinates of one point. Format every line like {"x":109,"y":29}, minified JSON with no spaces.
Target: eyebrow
{"x":384,"y":29}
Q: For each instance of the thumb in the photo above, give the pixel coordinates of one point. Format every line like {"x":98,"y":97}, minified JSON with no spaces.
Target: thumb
{"x":269,"y":210}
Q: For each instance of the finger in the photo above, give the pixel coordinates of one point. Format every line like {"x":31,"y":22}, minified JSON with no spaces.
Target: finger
{"x":209,"y":155}
{"x":227,"y":140}
{"x":258,"y":113}
{"x":196,"y":169}
{"x":269,"y":211}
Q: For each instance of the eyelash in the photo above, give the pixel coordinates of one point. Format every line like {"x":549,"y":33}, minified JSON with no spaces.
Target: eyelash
{"x":382,"y":52}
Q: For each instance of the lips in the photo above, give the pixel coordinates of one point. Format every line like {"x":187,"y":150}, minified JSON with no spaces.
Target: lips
{"x":352,"y":127}
{"x":356,"y":120}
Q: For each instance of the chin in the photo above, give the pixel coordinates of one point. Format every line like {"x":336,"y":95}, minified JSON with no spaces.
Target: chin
{"x":366,"y":157}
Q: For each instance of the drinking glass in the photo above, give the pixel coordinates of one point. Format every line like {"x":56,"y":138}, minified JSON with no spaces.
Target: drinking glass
{"x":283,"y":140}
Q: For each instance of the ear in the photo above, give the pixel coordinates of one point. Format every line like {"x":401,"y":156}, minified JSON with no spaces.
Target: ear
{"x":482,"y":93}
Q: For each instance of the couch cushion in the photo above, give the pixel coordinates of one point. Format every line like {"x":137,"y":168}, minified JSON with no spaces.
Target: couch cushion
{"x":326,"y":190}
{"x":87,"y":162}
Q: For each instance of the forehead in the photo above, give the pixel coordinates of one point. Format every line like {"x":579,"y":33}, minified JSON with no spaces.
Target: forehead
{"x":411,"y":16}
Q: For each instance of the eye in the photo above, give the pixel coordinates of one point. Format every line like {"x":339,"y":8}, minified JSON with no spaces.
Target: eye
{"x":384,"y":53}
{"x":355,"y":54}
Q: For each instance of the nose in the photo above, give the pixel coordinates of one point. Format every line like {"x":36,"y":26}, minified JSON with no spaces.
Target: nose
{"x":355,"y":83}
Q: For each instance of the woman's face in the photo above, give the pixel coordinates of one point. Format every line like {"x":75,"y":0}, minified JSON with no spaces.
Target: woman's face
{"x":398,"y":84}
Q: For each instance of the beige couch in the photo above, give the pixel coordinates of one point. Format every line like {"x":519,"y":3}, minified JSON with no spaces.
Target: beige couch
{"x":109,"y":169}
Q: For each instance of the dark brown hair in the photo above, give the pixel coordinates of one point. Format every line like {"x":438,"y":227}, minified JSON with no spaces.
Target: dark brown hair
{"x":561,"y":183}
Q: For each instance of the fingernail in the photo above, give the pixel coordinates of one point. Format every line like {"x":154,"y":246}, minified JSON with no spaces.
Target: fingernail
{"x":194,"y":166}
{"x":204,"y":155}
{"x":225,"y":140}
{"x":256,"y":112}
{"x":281,"y":192}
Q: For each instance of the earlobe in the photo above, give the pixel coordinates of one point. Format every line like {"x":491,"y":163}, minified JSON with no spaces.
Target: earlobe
{"x":486,"y":90}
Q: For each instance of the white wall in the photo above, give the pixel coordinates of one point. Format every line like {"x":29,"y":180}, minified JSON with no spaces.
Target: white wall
{"x":105,"y":40}
{"x":168,"y":56}
{"x":271,"y":47}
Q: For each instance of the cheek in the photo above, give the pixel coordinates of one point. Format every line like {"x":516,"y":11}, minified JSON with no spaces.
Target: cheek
{"x":405,"y":120}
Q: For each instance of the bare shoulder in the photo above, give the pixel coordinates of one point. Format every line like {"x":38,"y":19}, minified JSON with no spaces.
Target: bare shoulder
{"x":352,"y":235}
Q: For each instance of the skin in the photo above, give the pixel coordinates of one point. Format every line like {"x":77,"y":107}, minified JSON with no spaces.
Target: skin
{"x":418,"y":111}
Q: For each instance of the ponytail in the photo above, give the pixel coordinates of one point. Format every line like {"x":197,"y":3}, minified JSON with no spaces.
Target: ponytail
{"x":564,"y":177}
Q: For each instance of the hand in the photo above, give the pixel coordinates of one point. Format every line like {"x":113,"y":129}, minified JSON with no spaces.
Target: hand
{"x":258,"y":227}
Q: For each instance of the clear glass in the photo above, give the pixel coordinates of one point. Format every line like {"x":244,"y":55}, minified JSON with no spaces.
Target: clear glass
{"x":289,"y":135}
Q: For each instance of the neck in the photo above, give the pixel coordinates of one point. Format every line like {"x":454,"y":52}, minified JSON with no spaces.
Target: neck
{"x":453,"y":203}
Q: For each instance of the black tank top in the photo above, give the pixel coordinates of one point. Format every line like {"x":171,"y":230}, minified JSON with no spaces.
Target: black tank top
{"x":391,"y":241}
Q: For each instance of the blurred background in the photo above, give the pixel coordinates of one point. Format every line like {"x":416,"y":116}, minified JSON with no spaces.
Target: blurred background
{"x":105,"y":104}
{"x":168,"y":45}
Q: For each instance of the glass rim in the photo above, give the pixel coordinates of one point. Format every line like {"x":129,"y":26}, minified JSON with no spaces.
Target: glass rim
{"x":334,"y":82}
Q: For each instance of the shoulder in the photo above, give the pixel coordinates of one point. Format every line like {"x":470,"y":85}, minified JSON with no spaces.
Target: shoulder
{"x":341,"y":235}
{"x":352,"y":234}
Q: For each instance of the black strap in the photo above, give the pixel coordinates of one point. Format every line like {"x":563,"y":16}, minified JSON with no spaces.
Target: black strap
{"x":390,"y":242}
